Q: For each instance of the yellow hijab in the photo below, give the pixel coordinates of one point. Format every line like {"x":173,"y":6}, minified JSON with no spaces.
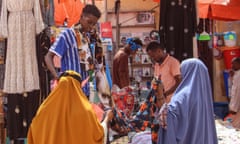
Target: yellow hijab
{"x":66,"y":116}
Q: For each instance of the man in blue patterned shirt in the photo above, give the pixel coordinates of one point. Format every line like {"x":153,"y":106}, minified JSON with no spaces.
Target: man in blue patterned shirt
{"x":72,"y":48}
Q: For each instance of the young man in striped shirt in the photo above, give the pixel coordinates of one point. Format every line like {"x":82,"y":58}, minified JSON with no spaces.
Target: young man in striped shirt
{"x":72,"y":48}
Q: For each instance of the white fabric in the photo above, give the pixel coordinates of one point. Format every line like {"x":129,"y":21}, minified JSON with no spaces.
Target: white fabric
{"x":20,"y":27}
{"x":103,"y":87}
{"x":105,"y":129}
{"x":234,"y":104}
{"x":142,"y":138}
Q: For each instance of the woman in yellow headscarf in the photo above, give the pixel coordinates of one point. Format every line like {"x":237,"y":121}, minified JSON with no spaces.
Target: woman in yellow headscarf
{"x":66,"y":116}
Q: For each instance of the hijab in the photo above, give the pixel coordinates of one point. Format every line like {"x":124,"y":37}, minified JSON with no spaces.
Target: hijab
{"x":190,"y":117}
{"x":66,"y":116}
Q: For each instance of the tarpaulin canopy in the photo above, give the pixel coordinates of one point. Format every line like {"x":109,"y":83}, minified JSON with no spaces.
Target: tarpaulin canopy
{"x":227,"y":10}
{"x":69,"y":10}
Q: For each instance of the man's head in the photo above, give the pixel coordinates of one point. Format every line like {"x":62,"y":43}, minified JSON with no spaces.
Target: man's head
{"x":89,"y":18}
{"x":134,"y":44}
{"x":156,"y":51}
{"x":236,"y":63}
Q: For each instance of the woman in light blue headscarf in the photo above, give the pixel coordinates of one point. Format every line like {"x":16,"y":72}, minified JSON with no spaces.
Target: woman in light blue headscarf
{"x":189,"y":118}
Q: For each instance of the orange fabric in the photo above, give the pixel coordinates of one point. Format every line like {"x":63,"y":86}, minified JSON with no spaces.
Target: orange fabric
{"x":99,"y":112}
{"x":217,"y":10}
{"x":66,"y":117}
{"x":203,"y":10}
{"x":205,"y":1}
{"x":70,"y":9}
{"x":222,"y":12}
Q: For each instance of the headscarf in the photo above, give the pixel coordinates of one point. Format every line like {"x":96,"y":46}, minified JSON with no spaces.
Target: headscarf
{"x":190,"y":118}
{"x":133,"y":46}
{"x":66,"y":116}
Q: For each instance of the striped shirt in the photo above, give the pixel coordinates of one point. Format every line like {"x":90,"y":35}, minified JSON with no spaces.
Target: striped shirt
{"x":66,"y":48}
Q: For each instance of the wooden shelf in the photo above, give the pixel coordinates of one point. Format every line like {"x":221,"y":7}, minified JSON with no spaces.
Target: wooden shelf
{"x":228,"y":48}
{"x":131,"y":11}
{"x":147,"y":77}
{"x":144,"y":78}
{"x":2,"y":39}
{"x":136,"y":26}
{"x":141,"y":65}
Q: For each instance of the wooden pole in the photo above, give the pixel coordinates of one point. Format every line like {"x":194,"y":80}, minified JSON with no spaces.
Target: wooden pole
{"x":117,"y":9}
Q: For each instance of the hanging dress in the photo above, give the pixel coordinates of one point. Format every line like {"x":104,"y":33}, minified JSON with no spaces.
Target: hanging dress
{"x":177,"y":27}
{"x":20,"y":21}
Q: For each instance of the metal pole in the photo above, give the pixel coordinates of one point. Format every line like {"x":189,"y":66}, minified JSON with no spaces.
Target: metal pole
{"x":106,"y":10}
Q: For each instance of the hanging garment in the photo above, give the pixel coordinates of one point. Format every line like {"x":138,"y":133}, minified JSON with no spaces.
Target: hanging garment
{"x":19,"y":23}
{"x":177,"y":27}
{"x":43,"y":44}
{"x":103,"y":89}
{"x":234,"y":104}
{"x":47,"y":8}
{"x":21,"y":108}
{"x":67,"y":11}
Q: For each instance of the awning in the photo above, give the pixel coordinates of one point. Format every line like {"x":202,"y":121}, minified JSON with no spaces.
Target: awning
{"x":227,"y":10}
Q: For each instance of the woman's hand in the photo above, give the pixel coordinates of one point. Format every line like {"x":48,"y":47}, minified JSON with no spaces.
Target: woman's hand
{"x":163,"y":116}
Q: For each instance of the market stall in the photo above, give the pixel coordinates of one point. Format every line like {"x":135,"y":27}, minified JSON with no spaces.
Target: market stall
{"x":224,"y":41}
{"x":223,"y":22}
{"x":216,"y":10}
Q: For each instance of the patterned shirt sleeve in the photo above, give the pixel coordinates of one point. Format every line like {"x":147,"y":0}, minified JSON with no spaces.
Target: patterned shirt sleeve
{"x":60,"y":45}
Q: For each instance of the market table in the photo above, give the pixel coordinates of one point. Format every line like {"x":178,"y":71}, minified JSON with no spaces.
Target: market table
{"x":225,"y":132}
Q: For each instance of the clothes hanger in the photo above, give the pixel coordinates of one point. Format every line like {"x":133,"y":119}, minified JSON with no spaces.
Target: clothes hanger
{"x":210,"y":42}
{"x":204,"y":36}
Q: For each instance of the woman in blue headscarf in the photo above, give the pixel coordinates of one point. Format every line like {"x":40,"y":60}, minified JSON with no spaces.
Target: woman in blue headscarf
{"x":189,"y":118}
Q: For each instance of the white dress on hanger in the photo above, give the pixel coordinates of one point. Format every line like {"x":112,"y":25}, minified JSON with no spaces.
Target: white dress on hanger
{"x":20,"y":21}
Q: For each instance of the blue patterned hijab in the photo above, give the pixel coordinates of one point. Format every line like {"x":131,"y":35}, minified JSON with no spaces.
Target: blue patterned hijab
{"x":190,"y":118}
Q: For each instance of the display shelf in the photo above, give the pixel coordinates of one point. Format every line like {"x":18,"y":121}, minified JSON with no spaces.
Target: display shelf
{"x":133,"y":18}
{"x":229,"y":48}
{"x":136,"y":26}
{"x":141,"y":65}
{"x":130,"y":11}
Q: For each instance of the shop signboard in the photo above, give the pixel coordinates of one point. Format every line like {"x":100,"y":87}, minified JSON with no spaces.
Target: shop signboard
{"x":106,"y":29}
